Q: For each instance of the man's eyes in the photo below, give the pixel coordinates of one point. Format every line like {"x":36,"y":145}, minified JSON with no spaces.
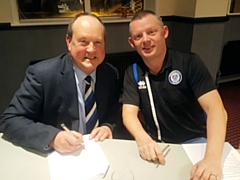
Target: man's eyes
{"x":137,"y":37}
{"x":86,"y":43}
{"x":151,"y":32}
{"x":98,"y":42}
{"x":83,"y":42}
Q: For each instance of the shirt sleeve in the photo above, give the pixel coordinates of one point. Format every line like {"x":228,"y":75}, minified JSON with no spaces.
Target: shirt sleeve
{"x":130,"y":88}
{"x":199,"y":77}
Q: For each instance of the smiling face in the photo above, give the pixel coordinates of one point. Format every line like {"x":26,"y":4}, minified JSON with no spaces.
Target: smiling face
{"x":148,"y":37}
{"x":87,"y":44}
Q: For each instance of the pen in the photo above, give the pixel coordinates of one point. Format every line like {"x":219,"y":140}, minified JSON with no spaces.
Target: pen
{"x":164,"y":154}
{"x":164,"y":149}
{"x":66,"y":129}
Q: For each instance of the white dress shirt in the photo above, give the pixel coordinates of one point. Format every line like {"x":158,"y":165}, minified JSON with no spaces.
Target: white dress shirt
{"x":80,"y":76}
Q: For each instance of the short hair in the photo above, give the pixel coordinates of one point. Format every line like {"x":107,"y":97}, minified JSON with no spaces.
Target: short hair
{"x":69,"y":30}
{"x":143,"y":13}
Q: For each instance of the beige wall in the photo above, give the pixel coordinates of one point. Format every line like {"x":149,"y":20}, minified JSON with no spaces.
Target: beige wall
{"x":213,"y":8}
{"x":185,"y":8}
{"x":5,"y":11}
{"x":192,"y":8}
{"x":165,"y":7}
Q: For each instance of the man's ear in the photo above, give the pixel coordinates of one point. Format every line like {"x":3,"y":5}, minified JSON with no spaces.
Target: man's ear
{"x":130,"y":41}
{"x":68,"y":41}
{"x":165,"y":31}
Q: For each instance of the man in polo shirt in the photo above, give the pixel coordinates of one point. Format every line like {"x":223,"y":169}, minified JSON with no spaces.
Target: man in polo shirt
{"x":176,"y":95}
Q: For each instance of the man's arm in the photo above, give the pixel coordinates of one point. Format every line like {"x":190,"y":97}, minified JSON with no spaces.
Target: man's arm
{"x":20,"y":121}
{"x":148,"y":148}
{"x":216,"y":131}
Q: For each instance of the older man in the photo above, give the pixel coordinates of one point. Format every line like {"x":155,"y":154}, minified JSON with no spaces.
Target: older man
{"x":53,"y":92}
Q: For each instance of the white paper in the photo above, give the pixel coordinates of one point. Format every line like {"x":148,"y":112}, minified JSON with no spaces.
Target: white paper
{"x":87,"y":164}
{"x":230,"y":159}
{"x":231,"y":166}
{"x":195,"y":152}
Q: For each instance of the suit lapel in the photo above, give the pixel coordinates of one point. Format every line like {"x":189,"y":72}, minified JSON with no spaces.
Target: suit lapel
{"x":70,"y":92}
{"x":102,"y":90}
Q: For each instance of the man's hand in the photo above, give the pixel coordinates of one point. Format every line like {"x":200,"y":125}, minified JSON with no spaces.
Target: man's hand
{"x":149,"y":150}
{"x":64,"y":142}
{"x":206,"y":169}
{"x":101,"y":133}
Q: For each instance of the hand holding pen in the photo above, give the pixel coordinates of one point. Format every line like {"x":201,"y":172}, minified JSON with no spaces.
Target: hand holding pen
{"x":67,"y":141}
{"x":149,"y":150}
{"x":165,"y":151}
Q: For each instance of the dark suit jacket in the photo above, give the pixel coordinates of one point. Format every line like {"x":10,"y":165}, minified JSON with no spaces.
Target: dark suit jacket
{"x":48,"y":97}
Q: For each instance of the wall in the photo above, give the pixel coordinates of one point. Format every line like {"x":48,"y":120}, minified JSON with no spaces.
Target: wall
{"x":192,"y":8}
{"x":180,"y":35}
{"x":207,"y":42}
{"x":213,"y":8}
{"x":185,"y":8}
{"x":165,"y":7}
{"x":5,"y":11}
{"x":232,"y":29}
{"x":20,"y":45}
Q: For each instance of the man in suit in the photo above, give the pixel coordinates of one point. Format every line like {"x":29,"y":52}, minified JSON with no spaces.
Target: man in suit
{"x":52,"y":93}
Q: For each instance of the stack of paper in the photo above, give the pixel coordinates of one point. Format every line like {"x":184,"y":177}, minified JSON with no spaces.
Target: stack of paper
{"x":87,"y":164}
{"x":230,"y":159}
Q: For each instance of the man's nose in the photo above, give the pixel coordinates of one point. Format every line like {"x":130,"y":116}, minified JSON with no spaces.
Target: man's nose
{"x":145,"y":37}
{"x":90,"y":47}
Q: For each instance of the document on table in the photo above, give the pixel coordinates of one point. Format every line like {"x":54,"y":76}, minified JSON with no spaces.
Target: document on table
{"x":89,"y":163}
{"x":230,"y":159}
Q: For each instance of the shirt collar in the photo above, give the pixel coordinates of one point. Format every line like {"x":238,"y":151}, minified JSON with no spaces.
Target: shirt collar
{"x":81,"y":75}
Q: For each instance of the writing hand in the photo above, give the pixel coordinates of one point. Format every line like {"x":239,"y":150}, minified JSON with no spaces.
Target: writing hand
{"x":64,"y":142}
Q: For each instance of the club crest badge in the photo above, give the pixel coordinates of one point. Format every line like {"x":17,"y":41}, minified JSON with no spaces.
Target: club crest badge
{"x":175,"y":77}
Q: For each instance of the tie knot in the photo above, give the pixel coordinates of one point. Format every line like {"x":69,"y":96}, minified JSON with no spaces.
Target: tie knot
{"x":88,"y":79}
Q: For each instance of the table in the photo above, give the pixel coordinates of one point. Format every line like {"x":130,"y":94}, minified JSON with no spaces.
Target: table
{"x":22,"y":164}
{"x":124,"y":154}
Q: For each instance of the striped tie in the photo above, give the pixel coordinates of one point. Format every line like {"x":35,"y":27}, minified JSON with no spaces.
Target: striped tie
{"x":90,"y":106}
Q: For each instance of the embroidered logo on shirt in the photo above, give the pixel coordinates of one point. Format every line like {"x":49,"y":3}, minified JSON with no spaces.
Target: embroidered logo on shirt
{"x":142,"y":85}
{"x":175,"y":77}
